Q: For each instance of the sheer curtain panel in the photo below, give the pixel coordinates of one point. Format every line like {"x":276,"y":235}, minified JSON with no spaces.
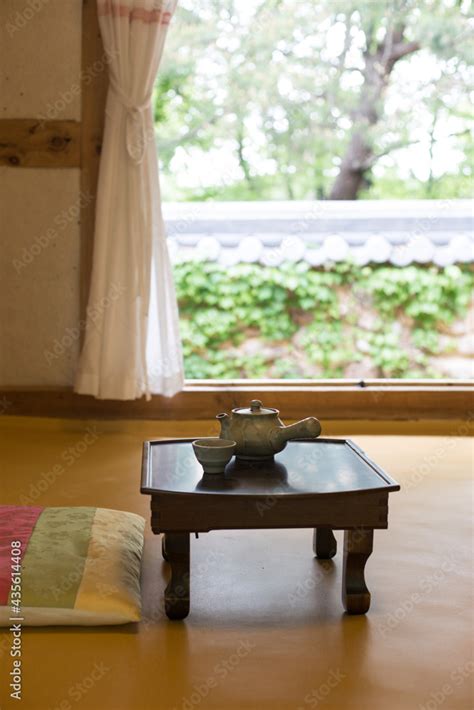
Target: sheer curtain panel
{"x":132,"y":345}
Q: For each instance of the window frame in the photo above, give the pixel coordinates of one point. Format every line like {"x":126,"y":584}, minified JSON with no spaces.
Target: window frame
{"x":338,"y":399}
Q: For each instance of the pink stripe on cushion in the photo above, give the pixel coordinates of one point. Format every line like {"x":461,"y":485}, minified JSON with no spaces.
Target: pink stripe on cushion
{"x":157,"y":15}
{"x":16,"y":523}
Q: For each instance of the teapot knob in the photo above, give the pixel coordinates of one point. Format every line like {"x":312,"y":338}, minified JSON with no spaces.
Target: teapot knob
{"x":255,"y":405}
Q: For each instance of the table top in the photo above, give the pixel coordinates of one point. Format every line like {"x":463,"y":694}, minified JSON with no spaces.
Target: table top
{"x":303,"y":468}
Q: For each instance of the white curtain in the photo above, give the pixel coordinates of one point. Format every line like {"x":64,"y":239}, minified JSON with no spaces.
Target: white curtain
{"x":132,"y":345}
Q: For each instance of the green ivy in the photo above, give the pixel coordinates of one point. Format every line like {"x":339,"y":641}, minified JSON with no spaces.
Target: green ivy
{"x":318,"y":310}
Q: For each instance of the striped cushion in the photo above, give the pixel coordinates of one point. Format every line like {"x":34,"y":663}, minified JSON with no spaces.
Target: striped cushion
{"x":69,"y":566}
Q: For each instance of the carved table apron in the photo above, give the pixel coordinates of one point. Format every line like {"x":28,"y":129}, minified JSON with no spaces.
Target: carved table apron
{"x":325,"y":484}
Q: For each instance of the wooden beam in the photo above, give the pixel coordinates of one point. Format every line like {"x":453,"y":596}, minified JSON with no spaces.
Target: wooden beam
{"x":35,"y":143}
{"x":331,"y":383}
{"x":349,"y":403}
{"x":94,"y":85}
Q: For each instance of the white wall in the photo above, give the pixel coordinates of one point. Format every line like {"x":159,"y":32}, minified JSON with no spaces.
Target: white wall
{"x":40,"y":64}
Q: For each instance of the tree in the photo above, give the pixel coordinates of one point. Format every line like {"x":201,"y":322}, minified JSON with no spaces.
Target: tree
{"x":379,"y":64}
{"x":311,"y":99}
{"x":380,"y":58}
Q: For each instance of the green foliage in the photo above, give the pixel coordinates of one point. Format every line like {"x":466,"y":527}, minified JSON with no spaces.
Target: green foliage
{"x":428,"y":295}
{"x":325,"y":346}
{"x":316,"y":314}
{"x":386,"y":354}
{"x":259,"y":100}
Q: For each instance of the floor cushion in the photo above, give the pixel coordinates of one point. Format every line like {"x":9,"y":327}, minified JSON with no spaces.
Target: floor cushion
{"x":76,"y":565}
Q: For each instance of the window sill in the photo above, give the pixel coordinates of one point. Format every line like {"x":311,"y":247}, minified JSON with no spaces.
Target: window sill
{"x":341,"y":400}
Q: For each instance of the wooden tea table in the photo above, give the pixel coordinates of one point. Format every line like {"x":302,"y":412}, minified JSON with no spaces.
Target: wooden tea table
{"x":325,"y":484}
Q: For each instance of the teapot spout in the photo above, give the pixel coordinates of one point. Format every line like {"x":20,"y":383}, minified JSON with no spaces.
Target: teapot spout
{"x":308,"y":428}
{"x":224,"y":420}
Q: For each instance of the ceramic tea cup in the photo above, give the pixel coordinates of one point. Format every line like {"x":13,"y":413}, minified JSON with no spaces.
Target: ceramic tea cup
{"x":213,"y":453}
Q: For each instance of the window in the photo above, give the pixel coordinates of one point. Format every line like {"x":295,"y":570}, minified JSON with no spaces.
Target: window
{"x":268,"y":115}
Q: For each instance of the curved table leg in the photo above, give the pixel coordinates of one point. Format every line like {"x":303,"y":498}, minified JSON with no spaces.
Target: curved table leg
{"x":358,"y":545}
{"x":176,"y":548}
{"x":164,"y":554}
{"x":324,"y":543}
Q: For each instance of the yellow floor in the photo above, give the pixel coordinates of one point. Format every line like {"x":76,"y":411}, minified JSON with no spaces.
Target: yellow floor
{"x":266,"y":629}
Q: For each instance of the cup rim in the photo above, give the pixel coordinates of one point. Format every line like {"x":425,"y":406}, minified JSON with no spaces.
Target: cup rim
{"x":217,"y":443}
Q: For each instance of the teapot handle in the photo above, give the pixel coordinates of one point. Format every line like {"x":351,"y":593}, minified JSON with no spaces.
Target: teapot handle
{"x":308,"y":428}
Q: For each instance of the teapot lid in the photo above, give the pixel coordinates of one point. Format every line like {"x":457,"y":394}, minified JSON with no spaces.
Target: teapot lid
{"x":256,"y":409}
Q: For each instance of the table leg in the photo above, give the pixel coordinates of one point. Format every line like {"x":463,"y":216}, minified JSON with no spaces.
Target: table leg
{"x":358,"y":545}
{"x":163,"y":548}
{"x":176,"y":549}
{"x":324,"y":543}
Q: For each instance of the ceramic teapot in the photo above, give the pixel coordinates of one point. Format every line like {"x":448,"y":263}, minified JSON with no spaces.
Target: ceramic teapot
{"x":259,"y":433}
